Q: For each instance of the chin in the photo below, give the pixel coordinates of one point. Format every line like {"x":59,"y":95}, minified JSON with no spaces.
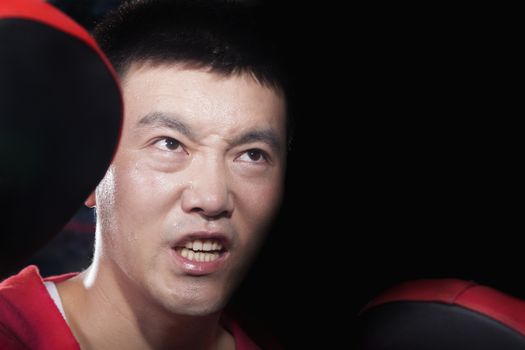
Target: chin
{"x":196,"y":308}
{"x":199,"y":311}
{"x":194,"y":302}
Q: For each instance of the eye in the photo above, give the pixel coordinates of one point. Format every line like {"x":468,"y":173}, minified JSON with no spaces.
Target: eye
{"x":168,"y":144}
{"x":254,"y":156}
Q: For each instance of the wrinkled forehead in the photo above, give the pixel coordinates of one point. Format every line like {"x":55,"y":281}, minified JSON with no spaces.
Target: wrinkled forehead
{"x":206,"y":101}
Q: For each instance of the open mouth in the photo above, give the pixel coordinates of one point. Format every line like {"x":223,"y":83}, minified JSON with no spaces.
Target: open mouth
{"x":198,"y":250}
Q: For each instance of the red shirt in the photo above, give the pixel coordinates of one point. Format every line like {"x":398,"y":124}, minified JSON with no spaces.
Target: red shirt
{"x":29,"y":318}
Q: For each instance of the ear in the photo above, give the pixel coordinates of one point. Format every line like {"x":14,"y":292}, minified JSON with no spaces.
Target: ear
{"x":91,"y":201}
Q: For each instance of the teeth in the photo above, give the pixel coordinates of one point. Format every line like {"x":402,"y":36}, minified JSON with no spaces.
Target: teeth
{"x":207,"y":246}
{"x":198,"y":256}
{"x":197,"y":245}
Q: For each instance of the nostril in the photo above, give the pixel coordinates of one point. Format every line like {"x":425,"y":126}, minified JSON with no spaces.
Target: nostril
{"x":212,"y":215}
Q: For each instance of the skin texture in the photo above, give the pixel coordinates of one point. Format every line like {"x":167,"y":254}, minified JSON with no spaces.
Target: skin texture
{"x":188,"y":161}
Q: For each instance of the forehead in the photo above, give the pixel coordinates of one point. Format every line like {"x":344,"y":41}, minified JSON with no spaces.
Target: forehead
{"x":207,"y":100}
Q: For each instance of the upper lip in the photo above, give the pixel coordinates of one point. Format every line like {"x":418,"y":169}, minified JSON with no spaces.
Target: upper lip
{"x":203,"y":236}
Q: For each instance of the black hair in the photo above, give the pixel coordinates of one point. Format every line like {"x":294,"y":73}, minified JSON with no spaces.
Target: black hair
{"x":224,"y":36}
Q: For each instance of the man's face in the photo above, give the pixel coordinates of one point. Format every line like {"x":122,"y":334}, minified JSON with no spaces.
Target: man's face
{"x":195,"y":182}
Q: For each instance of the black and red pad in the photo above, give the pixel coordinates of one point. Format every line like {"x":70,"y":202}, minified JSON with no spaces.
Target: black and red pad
{"x":442,"y":314}
{"x":60,"y":120}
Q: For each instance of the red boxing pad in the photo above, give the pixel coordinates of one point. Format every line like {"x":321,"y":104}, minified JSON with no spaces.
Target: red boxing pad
{"x":442,"y":314}
{"x":60,"y":120}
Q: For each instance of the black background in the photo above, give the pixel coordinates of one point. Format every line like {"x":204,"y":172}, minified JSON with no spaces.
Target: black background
{"x":403,"y":166}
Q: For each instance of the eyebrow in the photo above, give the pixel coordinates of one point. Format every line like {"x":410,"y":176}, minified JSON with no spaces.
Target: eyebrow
{"x":266,"y":136}
{"x":160,"y":119}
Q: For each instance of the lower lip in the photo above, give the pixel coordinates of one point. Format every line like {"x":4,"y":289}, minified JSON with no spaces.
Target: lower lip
{"x":199,"y":268}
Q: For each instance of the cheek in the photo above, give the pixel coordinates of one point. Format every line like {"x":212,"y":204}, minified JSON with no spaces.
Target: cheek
{"x":256,"y":209}
{"x":143,"y":189}
{"x":132,"y":205}
{"x":133,"y":199}
{"x":260,"y":203}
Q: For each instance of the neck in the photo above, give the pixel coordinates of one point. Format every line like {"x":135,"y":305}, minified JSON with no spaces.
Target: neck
{"x":105,"y":310}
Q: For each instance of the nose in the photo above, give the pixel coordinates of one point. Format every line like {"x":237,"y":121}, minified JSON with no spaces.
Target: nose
{"x":208,"y":192}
